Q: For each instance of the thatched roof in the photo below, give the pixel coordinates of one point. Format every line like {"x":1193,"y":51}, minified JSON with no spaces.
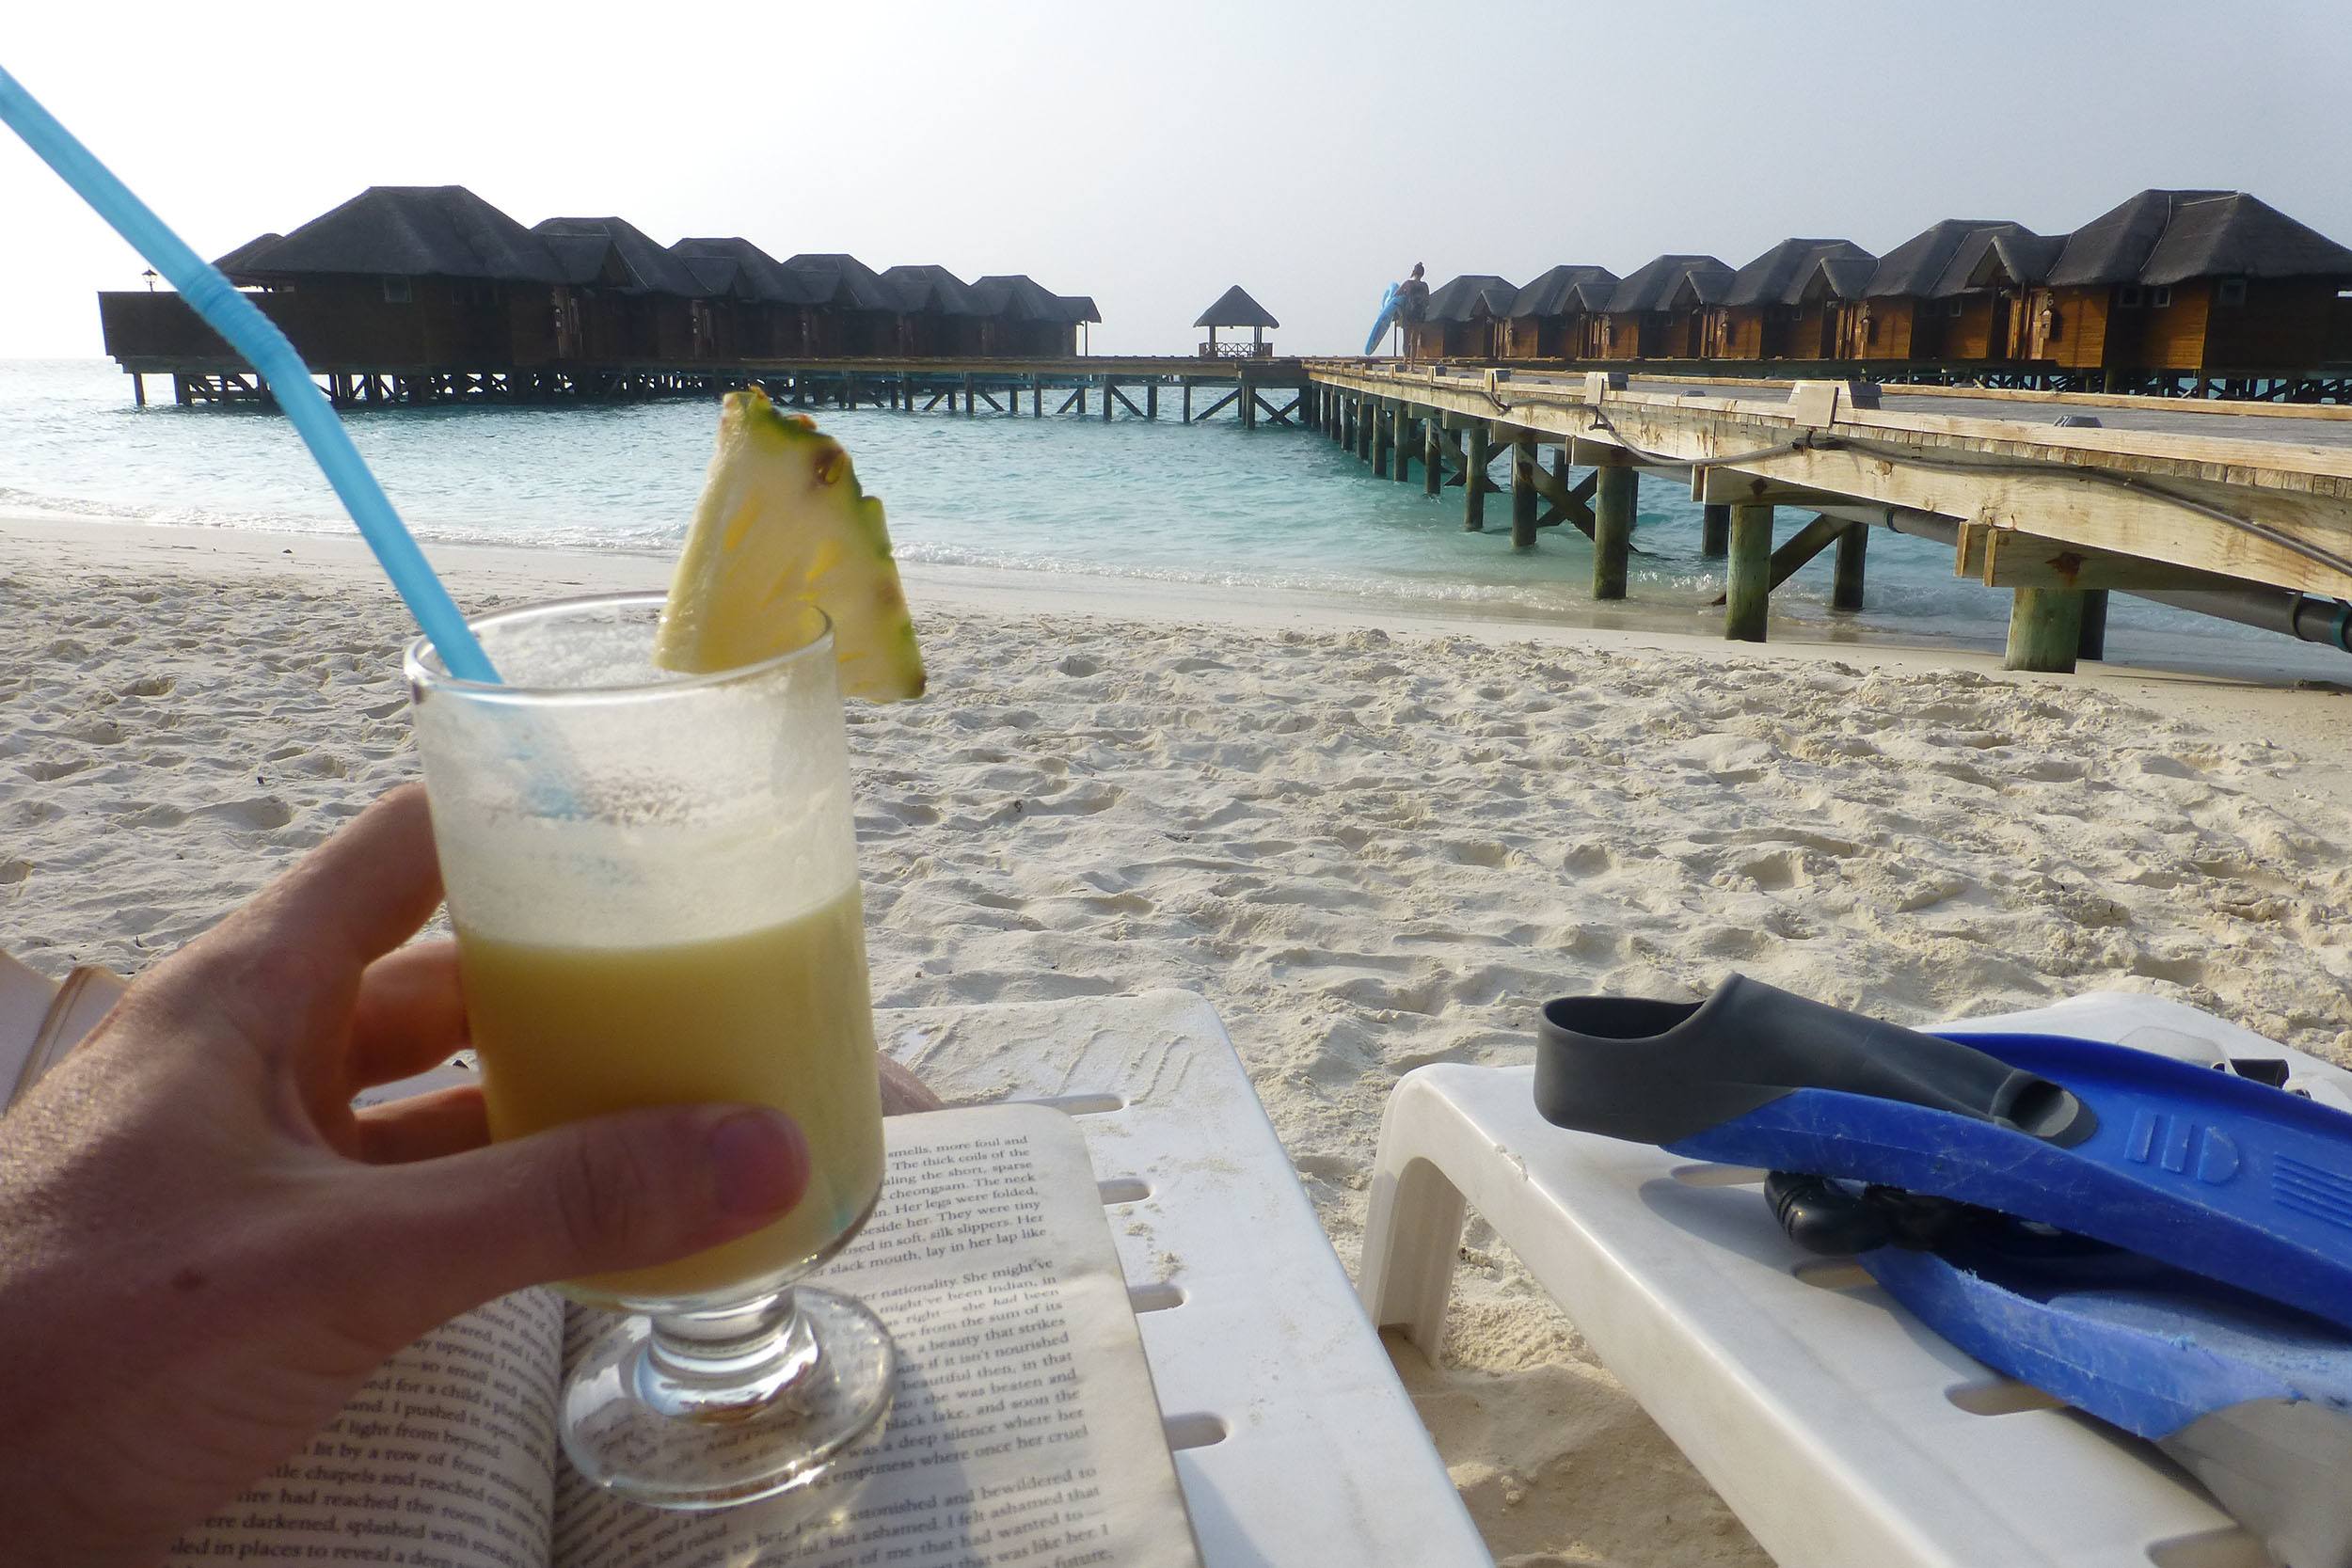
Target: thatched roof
{"x":237,"y":261}
{"x":411,"y":232}
{"x":1563,"y":289}
{"x":1935,"y":262}
{"x":840,"y":278}
{"x":1235,"y":307}
{"x":1838,"y":277}
{"x":736,"y":267}
{"x":1780,"y":276}
{"x":1654,"y":285}
{"x":1017,"y":297}
{"x":929,"y":290}
{"x":2171,"y":236}
{"x":1470,"y":297}
{"x":1081,"y":309}
{"x":615,"y":253}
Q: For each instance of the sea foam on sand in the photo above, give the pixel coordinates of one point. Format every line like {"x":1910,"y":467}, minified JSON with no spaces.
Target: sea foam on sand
{"x":1369,"y":849}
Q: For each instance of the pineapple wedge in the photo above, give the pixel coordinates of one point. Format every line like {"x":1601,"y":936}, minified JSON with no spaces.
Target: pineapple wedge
{"x":781,"y":521}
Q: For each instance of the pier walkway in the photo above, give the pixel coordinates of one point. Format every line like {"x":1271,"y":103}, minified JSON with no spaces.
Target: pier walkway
{"x":2242,"y":510}
{"x":1254,"y":388}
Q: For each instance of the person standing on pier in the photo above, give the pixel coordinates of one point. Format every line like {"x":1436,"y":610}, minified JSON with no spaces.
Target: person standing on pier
{"x":1412,"y":297}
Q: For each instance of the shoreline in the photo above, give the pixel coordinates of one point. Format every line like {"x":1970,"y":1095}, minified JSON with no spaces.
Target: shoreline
{"x":2289,"y":710}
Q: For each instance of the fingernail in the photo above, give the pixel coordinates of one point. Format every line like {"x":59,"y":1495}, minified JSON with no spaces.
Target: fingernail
{"x":758,"y":1162}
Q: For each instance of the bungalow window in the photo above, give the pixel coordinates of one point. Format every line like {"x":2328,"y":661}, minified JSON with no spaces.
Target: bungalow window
{"x":2159,"y":298}
{"x":396,"y":291}
{"x":2127,"y":298}
{"x":2231,"y":292}
{"x":1956,"y":308}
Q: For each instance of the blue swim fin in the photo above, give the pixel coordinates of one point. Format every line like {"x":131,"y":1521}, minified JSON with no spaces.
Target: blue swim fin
{"x":2221,"y":1176}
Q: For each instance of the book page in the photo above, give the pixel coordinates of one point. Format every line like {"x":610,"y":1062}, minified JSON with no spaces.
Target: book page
{"x":1025,"y":1430}
{"x":446,"y":1459}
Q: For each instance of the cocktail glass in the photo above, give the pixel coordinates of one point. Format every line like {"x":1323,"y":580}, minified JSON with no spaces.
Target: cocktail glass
{"x":653,"y":882}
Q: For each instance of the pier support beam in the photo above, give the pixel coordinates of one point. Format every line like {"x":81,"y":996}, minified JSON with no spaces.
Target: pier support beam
{"x":1523,"y":490}
{"x":1612,"y":528}
{"x":1367,"y":428}
{"x":1748,"y":593}
{"x":1187,"y":383}
{"x":1432,"y":458}
{"x":1476,"y":455}
{"x":1377,"y":417}
{"x":1349,"y":408}
{"x":1400,"y":447}
{"x":1714,"y":530}
{"x":2093,"y":642}
{"x":1844,"y":591}
{"x":1152,"y":398}
{"x":2045,"y":630}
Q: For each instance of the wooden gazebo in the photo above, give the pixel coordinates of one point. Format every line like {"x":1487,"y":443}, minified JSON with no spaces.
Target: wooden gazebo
{"x":1235,"y":307}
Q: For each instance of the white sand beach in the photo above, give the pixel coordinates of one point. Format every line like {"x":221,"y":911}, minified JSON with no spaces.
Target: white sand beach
{"x":1372,"y":846}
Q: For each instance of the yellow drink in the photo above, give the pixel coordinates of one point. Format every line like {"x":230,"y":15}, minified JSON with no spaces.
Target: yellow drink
{"x":775,"y":1017}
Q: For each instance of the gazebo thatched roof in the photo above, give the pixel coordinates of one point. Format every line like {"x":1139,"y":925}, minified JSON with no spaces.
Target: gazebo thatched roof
{"x":1563,"y":289}
{"x":1935,"y":262}
{"x":410,"y":231}
{"x":1235,"y":307}
{"x":1473,"y":295}
{"x":843,"y":279}
{"x":234,"y":261}
{"x":930,"y":291}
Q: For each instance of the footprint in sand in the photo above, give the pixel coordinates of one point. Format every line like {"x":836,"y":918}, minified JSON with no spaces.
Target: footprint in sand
{"x":262,"y":811}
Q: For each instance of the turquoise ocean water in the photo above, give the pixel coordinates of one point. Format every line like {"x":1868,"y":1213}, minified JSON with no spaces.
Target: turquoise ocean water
{"x":1207,"y":505}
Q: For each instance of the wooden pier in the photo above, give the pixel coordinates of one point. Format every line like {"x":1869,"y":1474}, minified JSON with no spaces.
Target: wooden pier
{"x":2237,"y":509}
{"x":1272,"y":392}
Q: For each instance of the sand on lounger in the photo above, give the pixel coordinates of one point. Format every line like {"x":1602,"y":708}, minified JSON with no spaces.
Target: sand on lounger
{"x":1370,"y":848}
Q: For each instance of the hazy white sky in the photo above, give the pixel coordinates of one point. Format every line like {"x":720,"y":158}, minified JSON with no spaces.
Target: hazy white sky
{"x":1150,"y":154}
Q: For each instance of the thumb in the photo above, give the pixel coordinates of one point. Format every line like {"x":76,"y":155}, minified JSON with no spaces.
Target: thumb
{"x":611,"y":1193}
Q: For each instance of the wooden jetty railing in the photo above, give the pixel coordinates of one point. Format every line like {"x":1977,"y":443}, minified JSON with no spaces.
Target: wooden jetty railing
{"x":1272,"y":389}
{"x":2243,"y":510}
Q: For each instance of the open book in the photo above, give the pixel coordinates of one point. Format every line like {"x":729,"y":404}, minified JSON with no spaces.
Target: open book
{"x":1025,"y":1429}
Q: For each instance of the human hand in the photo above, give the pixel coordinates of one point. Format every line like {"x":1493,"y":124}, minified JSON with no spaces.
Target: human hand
{"x":204,"y":1251}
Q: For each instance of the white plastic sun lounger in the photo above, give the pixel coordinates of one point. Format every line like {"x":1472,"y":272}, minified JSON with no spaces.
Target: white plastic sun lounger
{"x":1296,"y":1444}
{"x":1840,"y":1430}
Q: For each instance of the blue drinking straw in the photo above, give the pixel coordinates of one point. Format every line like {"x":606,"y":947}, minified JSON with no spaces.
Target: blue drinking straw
{"x":256,"y":337}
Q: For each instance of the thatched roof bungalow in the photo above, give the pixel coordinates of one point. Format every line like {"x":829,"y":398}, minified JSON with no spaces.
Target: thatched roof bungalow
{"x":636,"y":302}
{"x":400,"y":277}
{"x":2195,"y":281}
{"x":938,"y":316}
{"x":766,"y":310}
{"x":1022,"y":319}
{"x":1784,"y":304}
{"x":1462,"y":319}
{"x":856,"y":313}
{"x":1657,"y":311}
{"x":1547,"y":319}
{"x":1951,"y":291}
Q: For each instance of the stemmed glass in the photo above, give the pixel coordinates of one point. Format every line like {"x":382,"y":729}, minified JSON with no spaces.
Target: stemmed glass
{"x":654,"y":882}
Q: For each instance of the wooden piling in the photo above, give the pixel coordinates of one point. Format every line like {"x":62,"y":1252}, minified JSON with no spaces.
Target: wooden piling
{"x":1846,"y":586}
{"x":1187,"y":386}
{"x":1748,"y":593}
{"x":2093,"y":642}
{"x":967,"y":394}
{"x":1152,"y":398}
{"x":1381,"y":431}
{"x":1400,"y":449}
{"x":1523,"y":490}
{"x":1037,"y":397}
{"x":1432,"y":458}
{"x":1714,"y":531}
{"x":1614,"y":503}
{"x":1476,"y":455}
{"x":2045,"y":630}
{"x":1106,"y":400}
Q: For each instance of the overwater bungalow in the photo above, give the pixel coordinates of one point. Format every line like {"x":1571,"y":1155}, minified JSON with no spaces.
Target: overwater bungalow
{"x":1462,"y":319}
{"x":401,"y":278}
{"x":635,"y":301}
{"x":1022,"y":319}
{"x":1657,"y":310}
{"x":1548,"y":318}
{"x":1785,"y":304}
{"x":855,"y":312}
{"x":1950,"y":292}
{"x":2204,"y":283}
{"x":1082,"y":315}
{"x":765,"y":309}
{"x":938,"y":317}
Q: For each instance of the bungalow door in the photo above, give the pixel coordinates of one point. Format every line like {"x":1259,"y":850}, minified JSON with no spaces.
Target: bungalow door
{"x":567,"y":345}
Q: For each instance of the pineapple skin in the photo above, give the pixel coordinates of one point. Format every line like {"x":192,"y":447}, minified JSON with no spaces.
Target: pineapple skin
{"x":782,"y":519}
